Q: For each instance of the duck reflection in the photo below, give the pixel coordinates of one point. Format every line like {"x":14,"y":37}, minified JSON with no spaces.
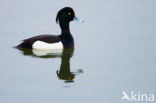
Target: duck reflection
{"x":64,"y":73}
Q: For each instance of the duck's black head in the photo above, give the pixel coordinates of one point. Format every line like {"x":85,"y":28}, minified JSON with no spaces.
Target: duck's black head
{"x":65,"y":15}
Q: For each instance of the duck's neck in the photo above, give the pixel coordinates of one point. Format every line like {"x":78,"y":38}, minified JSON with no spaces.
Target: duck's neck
{"x":64,"y":27}
{"x":66,"y":37}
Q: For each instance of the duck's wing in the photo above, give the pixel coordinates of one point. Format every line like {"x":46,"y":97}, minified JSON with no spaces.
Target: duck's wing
{"x":27,"y":43}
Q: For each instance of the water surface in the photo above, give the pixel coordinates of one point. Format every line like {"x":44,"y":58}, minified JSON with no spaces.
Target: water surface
{"x":114,"y":51}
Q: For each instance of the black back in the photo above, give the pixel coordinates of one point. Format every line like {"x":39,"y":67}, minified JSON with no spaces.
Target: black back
{"x":27,"y":43}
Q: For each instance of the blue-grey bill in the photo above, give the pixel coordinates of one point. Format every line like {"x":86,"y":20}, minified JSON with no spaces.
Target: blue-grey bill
{"x":78,"y":20}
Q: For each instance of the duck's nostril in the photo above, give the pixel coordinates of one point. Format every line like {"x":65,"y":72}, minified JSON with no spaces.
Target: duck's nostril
{"x":78,"y":20}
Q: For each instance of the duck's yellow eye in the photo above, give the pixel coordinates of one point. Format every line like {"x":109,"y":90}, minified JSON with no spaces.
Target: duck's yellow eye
{"x":69,"y":13}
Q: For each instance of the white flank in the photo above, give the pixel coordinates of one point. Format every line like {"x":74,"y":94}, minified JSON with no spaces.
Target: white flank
{"x":46,"y":46}
{"x":44,"y":52}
